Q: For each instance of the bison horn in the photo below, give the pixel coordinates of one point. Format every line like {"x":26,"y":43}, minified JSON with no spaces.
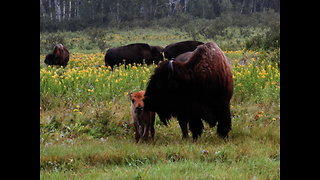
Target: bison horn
{"x":171,"y":65}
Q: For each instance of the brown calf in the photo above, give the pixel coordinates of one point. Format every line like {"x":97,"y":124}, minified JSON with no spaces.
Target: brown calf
{"x":143,"y":120}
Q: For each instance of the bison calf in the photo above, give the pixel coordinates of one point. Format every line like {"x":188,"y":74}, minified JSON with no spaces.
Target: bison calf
{"x":143,"y":119}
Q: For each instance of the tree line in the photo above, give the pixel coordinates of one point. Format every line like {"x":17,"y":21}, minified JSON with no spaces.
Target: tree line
{"x":78,"y":14}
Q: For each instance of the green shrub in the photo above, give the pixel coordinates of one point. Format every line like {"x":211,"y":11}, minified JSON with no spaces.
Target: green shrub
{"x":268,"y":41}
{"x":50,"y":40}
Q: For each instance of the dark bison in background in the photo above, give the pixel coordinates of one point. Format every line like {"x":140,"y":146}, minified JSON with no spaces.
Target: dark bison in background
{"x":183,"y":57}
{"x":133,"y":53}
{"x":59,"y":56}
{"x":173,"y":50}
{"x":198,"y":89}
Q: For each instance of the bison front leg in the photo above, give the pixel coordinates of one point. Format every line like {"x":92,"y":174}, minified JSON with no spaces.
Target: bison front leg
{"x":184,"y":127}
{"x":137,"y":131}
{"x":224,"y":120}
{"x":152,"y":131}
{"x":146,"y":129}
{"x":196,"y":128}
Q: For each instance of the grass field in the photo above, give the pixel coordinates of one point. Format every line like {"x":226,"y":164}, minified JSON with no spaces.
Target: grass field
{"x":87,"y":132}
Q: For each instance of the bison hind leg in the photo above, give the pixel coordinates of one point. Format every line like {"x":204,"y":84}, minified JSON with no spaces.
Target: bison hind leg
{"x":211,"y":120}
{"x":209,"y":115}
{"x":224,"y":121}
{"x":196,"y":127}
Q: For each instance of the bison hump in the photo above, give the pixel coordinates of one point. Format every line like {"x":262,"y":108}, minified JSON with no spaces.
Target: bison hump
{"x":206,"y":56}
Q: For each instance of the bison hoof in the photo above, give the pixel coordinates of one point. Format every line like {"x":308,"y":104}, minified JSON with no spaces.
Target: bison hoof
{"x":224,"y":137}
{"x":185,"y":137}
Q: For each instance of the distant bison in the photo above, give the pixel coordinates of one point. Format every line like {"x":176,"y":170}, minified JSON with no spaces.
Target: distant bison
{"x":143,"y":120}
{"x":173,"y":50}
{"x":59,"y":56}
{"x":183,"y":57}
{"x":198,"y":89}
{"x":133,"y":53}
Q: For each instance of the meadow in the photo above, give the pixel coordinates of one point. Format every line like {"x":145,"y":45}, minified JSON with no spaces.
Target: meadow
{"x":94,"y":40}
{"x":87,"y":132}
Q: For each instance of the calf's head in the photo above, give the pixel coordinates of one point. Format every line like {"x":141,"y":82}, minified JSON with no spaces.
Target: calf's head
{"x":137,"y":103}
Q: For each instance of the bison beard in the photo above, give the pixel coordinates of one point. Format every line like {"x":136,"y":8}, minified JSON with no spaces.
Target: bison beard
{"x":197,"y":89}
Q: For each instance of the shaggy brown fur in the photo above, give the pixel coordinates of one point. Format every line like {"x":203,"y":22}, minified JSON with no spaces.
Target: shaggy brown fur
{"x":143,"y":120}
{"x":59,"y":56}
{"x":197,"y":89}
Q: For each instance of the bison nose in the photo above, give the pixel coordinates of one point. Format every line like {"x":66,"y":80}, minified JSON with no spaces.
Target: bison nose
{"x":139,"y":109}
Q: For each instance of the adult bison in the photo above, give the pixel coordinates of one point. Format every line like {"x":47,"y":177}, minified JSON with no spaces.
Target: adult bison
{"x":173,"y":50}
{"x":198,"y":89}
{"x":164,"y":117}
{"x":133,"y":53}
{"x":59,"y":56}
